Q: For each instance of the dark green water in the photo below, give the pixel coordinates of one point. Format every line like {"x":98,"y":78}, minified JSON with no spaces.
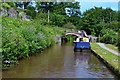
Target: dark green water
{"x":59,"y":61}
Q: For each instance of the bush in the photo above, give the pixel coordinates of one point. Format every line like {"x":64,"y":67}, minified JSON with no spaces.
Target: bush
{"x":108,"y":36}
{"x":23,"y":38}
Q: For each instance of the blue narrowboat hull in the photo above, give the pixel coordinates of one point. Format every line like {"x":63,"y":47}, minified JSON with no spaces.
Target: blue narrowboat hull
{"x":79,"y":46}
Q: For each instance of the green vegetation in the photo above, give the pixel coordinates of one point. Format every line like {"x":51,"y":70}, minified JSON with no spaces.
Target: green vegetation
{"x":23,"y":38}
{"x":71,"y":38}
{"x":108,"y":56}
{"x":69,"y":25}
{"x":0,"y":49}
{"x":48,"y":19}
{"x":102,"y":23}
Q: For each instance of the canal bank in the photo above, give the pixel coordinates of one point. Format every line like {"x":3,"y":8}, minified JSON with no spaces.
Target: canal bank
{"x":108,"y":58}
{"x":10,"y":64}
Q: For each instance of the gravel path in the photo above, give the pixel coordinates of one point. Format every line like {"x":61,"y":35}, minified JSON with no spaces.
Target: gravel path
{"x":112,"y":51}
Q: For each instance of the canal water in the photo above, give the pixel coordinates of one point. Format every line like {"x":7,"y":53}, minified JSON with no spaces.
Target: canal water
{"x":59,"y":61}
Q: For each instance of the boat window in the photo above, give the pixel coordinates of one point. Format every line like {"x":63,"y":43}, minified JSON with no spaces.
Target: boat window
{"x":81,"y":39}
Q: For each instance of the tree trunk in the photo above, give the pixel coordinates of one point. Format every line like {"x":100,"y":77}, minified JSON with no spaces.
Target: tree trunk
{"x":25,"y":4}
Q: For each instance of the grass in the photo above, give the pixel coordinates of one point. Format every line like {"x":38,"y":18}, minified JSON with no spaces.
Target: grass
{"x":0,"y":49}
{"x":113,"y":47}
{"x":108,"y":56}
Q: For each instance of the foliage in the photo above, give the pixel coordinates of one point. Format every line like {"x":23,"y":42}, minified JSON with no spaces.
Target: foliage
{"x":97,"y":18}
{"x":58,"y":20}
{"x":23,"y":38}
{"x":59,"y":7}
{"x":6,"y":5}
{"x":69,"y":26}
{"x":101,"y":22}
{"x":108,"y":36}
{"x":22,"y":4}
{"x":45,"y":6}
{"x":71,"y":38}
{"x":42,"y":19}
{"x":75,"y":20}
{"x":30,"y":11}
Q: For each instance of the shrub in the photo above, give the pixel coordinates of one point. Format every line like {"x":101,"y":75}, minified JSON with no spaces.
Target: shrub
{"x":108,"y":36}
{"x":23,"y":38}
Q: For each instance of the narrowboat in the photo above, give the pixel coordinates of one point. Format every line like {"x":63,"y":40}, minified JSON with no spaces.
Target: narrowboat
{"x":82,"y":43}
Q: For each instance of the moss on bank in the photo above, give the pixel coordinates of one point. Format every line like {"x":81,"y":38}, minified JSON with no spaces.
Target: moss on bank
{"x":108,"y":56}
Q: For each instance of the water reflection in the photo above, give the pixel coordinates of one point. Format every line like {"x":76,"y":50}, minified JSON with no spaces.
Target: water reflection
{"x":90,"y":64}
{"x":81,"y":58}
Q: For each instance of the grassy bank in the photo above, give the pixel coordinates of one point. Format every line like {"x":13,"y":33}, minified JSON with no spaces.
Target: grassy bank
{"x":23,"y":38}
{"x":108,"y":56}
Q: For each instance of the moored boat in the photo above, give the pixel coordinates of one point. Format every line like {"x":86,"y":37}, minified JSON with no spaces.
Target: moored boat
{"x":82,"y":43}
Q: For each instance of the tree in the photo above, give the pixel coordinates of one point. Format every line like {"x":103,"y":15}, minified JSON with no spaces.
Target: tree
{"x":58,"y":20}
{"x":30,"y":11}
{"x":27,"y":7}
{"x":22,"y":5}
{"x":93,"y":18}
{"x":45,"y":7}
{"x":69,"y":26}
{"x":69,"y":8}
{"x":60,"y":8}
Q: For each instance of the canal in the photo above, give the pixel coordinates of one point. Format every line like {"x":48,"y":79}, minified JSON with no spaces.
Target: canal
{"x":59,"y":61}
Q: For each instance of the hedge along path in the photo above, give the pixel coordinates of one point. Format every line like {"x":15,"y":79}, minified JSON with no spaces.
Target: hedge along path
{"x":110,"y":50}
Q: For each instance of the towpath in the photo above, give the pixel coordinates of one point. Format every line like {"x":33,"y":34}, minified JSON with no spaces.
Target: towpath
{"x":110,"y":50}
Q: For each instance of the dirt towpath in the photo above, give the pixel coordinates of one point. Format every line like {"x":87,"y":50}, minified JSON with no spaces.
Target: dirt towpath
{"x":110,"y":50}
